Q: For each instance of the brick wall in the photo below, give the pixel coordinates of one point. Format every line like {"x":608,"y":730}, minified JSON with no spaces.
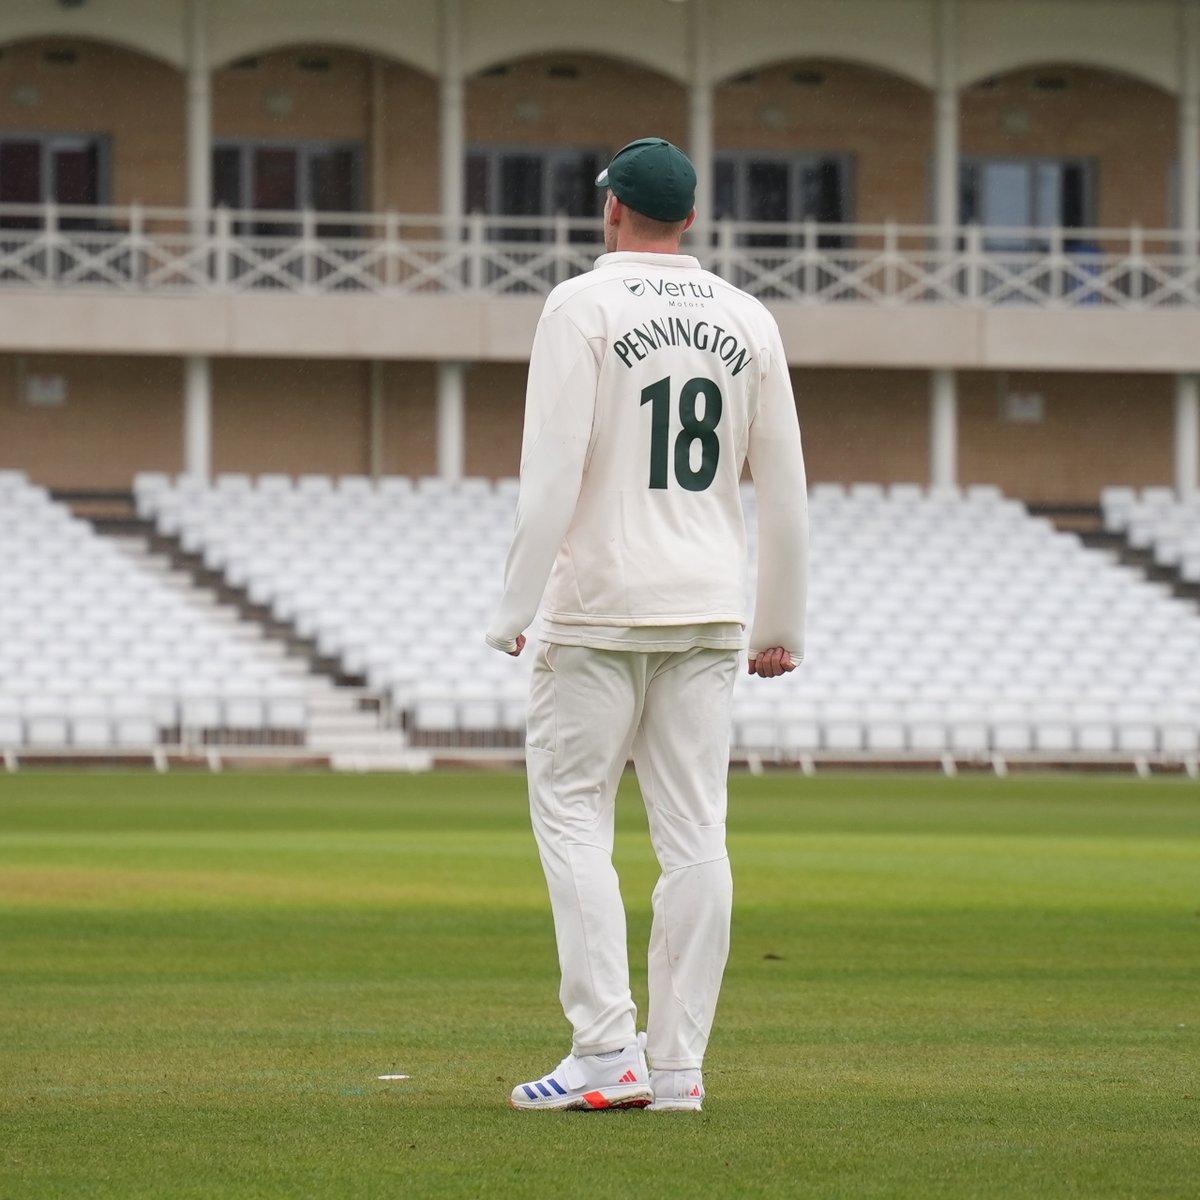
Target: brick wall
{"x":574,"y":100}
{"x":1097,"y":430}
{"x":291,"y":416}
{"x":119,"y":416}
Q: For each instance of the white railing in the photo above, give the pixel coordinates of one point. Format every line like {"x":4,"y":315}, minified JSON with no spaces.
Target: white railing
{"x":159,"y":250}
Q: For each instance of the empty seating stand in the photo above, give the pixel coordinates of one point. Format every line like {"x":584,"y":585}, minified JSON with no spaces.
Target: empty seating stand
{"x":955,"y":624}
{"x":98,"y":657}
{"x":943,"y":624}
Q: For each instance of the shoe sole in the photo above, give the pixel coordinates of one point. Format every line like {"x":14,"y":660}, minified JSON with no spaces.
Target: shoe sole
{"x":675,"y":1106}
{"x":596,"y":1101}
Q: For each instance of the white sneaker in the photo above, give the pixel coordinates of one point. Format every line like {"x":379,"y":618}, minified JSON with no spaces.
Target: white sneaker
{"x":677,"y":1091}
{"x":590,"y":1082}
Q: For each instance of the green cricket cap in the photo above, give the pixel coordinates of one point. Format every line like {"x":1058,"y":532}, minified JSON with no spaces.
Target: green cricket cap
{"x":653,"y":177}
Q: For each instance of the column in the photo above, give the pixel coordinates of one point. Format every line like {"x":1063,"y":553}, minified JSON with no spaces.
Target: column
{"x":452,"y":123}
{"x":1187,"y":387}
{"x":945,"y":199}
{"x":375,"y":420}
{"x":197,"y":372}
{"x":197,"y":418}
{"x":451,"y":381}
{"x":1189,"y":120}
{"x":943,"y":429}
{"x":700,"y":106}
{"x":451,"y":419}
{"x":1187,"y":435}
{"x":943,"y":407}
{"x":199,"y":109}
{"x":378,"y":136}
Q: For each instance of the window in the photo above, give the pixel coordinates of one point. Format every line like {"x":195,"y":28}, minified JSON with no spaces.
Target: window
{"x":288,"y":177}
{"x":506,"y":181}
{"x":1026,"y":193}
{"x":782,"y":189}
{"x":65,"y":169}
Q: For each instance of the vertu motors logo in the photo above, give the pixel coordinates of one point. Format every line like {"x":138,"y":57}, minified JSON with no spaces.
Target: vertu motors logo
{"x":636,"y":286}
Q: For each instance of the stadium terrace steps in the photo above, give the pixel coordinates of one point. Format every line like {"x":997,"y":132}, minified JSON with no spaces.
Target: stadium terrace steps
{"x":944,"y":625}
{"x":1159,"y":532}
{"x":341,"y":718}
{"x":108,"y":651}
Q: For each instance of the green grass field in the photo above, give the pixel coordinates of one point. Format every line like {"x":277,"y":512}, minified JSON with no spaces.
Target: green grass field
{"x":938,"y":988}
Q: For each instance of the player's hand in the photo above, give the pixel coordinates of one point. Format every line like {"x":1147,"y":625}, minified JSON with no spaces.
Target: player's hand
{"x":770,"y":663}
{"x":520,"y":645}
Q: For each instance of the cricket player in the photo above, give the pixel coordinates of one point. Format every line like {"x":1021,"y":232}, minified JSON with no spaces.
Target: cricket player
{"x":651,"y":383}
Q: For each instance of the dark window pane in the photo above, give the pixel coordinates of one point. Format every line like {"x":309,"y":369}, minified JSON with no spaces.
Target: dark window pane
{"x":20,"y":172}
{"x":476,"y":184}
{"x":275,"y":178}
{"x":1074,"y":196}
{"x":521,"y":185}
{"x":823,"y":197}
{"x":968,"y":193}
{"x":575,"y":190}
{"x":77,"y":173}
{"x":724,"y":189}
{"x":333,"y":180}
{"x":227,"y":177}
{"x":768,"y":193}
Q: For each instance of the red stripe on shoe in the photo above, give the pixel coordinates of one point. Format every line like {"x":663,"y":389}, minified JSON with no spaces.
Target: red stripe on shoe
{"x":596,"y":1099}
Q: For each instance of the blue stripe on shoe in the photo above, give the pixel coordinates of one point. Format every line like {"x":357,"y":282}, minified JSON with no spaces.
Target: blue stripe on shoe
{"x":541,"y":1087}
{"x":562,"y":1091}
{"x":529,"y":1091}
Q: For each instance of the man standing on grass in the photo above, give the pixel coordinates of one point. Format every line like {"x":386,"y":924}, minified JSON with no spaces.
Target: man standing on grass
{"x":651,"y":383}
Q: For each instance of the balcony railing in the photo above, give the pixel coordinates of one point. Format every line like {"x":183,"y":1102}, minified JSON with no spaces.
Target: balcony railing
{"x":174,"y":251}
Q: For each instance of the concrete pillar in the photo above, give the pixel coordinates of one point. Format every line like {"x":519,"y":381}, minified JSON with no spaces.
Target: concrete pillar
{"x":451,"y":419}
{"x":375,"y":421}
{"x":197,"y":371}
{"x":199,"y":110}
{"x":378,"y":187}
{"x":197,"y":418}
{"x":700,"y":106}
{"x":943,"y":429}
{"x":1189,"y":119}
{"x":452,"y":117}
{"x":1187,"y":434}
{"x":945,"y":195}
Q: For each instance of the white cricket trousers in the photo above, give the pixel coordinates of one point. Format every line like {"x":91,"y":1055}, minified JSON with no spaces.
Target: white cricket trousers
{"x":588,"y":711}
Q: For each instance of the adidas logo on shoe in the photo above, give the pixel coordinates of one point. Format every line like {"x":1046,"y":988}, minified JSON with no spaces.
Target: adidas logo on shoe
{"x":677,"y":1091}
{"x":591,"y":1083}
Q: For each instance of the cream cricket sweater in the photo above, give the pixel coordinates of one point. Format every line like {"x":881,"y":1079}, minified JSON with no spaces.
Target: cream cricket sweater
{"x":651,"y":383}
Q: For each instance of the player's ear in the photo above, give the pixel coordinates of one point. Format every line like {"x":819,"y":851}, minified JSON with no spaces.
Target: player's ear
{"x":688,"y":223}
{"x":612,"y":209}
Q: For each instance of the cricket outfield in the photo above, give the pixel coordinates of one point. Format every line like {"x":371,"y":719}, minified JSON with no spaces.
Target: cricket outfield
{"x":938,"y":988}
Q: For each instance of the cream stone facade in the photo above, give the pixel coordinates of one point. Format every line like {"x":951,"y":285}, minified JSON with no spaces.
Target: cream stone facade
{"x":866,"y":158}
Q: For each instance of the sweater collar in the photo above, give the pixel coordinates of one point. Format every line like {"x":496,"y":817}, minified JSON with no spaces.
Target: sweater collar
{"x":641,"y":258}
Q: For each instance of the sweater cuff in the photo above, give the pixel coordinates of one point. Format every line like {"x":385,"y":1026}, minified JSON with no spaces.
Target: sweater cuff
{"x":504,"y":645}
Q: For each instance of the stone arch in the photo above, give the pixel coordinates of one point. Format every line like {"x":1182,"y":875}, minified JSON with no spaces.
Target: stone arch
{"x":339,"y":92}
{"x":1121,"y":125}
{"x":573,"y":97}
{"x":879,"y":121}
{"x":131,"y":101}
